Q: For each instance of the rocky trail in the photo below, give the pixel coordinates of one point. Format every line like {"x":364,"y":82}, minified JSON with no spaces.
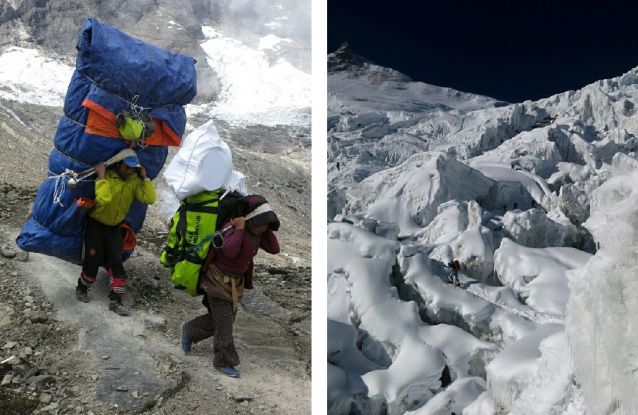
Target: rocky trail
{"x":61,"y":356}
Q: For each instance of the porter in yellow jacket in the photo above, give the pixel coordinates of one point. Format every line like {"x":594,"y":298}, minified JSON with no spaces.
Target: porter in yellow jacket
{"x":114,"y":195}
{"x":115,"y":191}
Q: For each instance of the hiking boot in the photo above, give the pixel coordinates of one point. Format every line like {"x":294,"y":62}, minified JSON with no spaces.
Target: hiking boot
{"x":228,"y":371}
{"x":186,"y":342}
{"x":82,"y":293}
{"x":458,"y":283}
{"x":450,"y":280}
{"x":117,"y":307}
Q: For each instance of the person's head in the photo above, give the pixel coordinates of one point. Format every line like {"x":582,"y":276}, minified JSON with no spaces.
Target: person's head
{"x":260,"y":223}
{"x":266,"y":219}
{"x":126,"y":167}
{"x":256,"y":229}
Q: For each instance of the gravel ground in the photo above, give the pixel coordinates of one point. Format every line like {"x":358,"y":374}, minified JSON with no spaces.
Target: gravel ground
{"x":54,"y":367}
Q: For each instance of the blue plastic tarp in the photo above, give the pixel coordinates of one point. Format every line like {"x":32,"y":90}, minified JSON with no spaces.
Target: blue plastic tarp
{"x":114,"y":71}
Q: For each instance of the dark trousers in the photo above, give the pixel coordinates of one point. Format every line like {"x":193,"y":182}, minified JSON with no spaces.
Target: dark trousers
{"x":103,"y":246}
{"x":217,"y":323}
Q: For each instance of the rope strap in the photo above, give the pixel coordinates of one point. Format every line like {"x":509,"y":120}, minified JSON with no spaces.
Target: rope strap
{"x":141,"y":143}
{"x":133,"y":102}
{"x":106,"y":134}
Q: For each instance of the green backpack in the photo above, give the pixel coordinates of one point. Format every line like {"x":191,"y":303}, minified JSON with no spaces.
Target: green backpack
{"x":190,"y":239}
{"x":134,"y":126}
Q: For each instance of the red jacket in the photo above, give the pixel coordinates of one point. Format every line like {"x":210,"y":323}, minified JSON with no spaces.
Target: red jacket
{"x":240,"y":247}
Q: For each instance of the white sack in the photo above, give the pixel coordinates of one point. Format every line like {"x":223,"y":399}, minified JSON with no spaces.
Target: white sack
{"x":168,"y":201}
{"x":203,"y":162}
{"x":238,"y":182}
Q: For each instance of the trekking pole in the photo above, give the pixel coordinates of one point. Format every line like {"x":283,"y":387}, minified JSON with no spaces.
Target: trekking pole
{"x":73,"y":181}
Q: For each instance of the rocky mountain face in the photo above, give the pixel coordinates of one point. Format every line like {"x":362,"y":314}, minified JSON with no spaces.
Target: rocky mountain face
{"x":344,"y":59}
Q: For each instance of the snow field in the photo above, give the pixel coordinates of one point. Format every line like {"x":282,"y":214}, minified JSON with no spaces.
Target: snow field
{"x":254,"y":90}
{"x":27,"y":76}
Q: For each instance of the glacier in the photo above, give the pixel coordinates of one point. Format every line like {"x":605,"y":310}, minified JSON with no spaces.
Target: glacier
{"x":537,"y":200}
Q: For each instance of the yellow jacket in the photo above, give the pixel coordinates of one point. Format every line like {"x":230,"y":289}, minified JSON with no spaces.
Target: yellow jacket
{"x":113,"y":197}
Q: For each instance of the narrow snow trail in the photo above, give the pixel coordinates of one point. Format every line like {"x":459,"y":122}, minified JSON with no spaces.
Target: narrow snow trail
{"x":490,"y":295}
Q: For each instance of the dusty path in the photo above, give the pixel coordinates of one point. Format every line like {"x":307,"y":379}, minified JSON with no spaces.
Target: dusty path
{"x":135,"y":364}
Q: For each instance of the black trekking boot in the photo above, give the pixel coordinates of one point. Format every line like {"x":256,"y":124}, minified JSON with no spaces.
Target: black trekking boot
{"x":116,"y":306}
{"x":82,"y":292}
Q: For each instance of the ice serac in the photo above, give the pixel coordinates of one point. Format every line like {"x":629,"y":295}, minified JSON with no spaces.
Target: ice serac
{"x":452,"y":218}
{"x":534,"y":229}
{"x":411,"y":193}
{"x":600,"y":324}
{"x":552,"y":390}
{"x":396,"y":148}
{"x":512,"y":370}
{"x":532,"y":151}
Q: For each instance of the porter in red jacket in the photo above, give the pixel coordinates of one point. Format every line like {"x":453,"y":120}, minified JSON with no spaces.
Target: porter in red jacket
{"x":226,"y":272}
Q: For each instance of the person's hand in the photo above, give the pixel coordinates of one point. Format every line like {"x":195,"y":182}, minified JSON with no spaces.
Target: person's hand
{"x":238,"y":223}
{"x":100,"y":170}
{"x":142,"y":172}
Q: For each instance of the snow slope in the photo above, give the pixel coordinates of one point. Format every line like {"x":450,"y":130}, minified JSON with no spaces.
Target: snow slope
{"x":537,"y":201}
{"x":28,"y":75}
{"x":253,"y":89}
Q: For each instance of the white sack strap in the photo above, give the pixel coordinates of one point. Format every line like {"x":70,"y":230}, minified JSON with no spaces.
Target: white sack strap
{"x":261,"y":209}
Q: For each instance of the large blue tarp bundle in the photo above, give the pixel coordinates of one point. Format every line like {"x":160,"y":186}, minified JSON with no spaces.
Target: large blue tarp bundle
{"x":114,"y":72}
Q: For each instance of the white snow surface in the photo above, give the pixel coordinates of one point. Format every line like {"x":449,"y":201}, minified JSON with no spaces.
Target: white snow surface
{"x":410,"y":354}
{"x":379,"y":85}
{"x":411,"y":193}
{"x":538,"y":275}
{"x":29,"y":76}
{"x":253,"y":89}
{"x":539,"y":203}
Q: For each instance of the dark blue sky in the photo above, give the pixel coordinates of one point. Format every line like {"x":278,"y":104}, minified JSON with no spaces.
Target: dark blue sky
{"x":511,"y":51}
